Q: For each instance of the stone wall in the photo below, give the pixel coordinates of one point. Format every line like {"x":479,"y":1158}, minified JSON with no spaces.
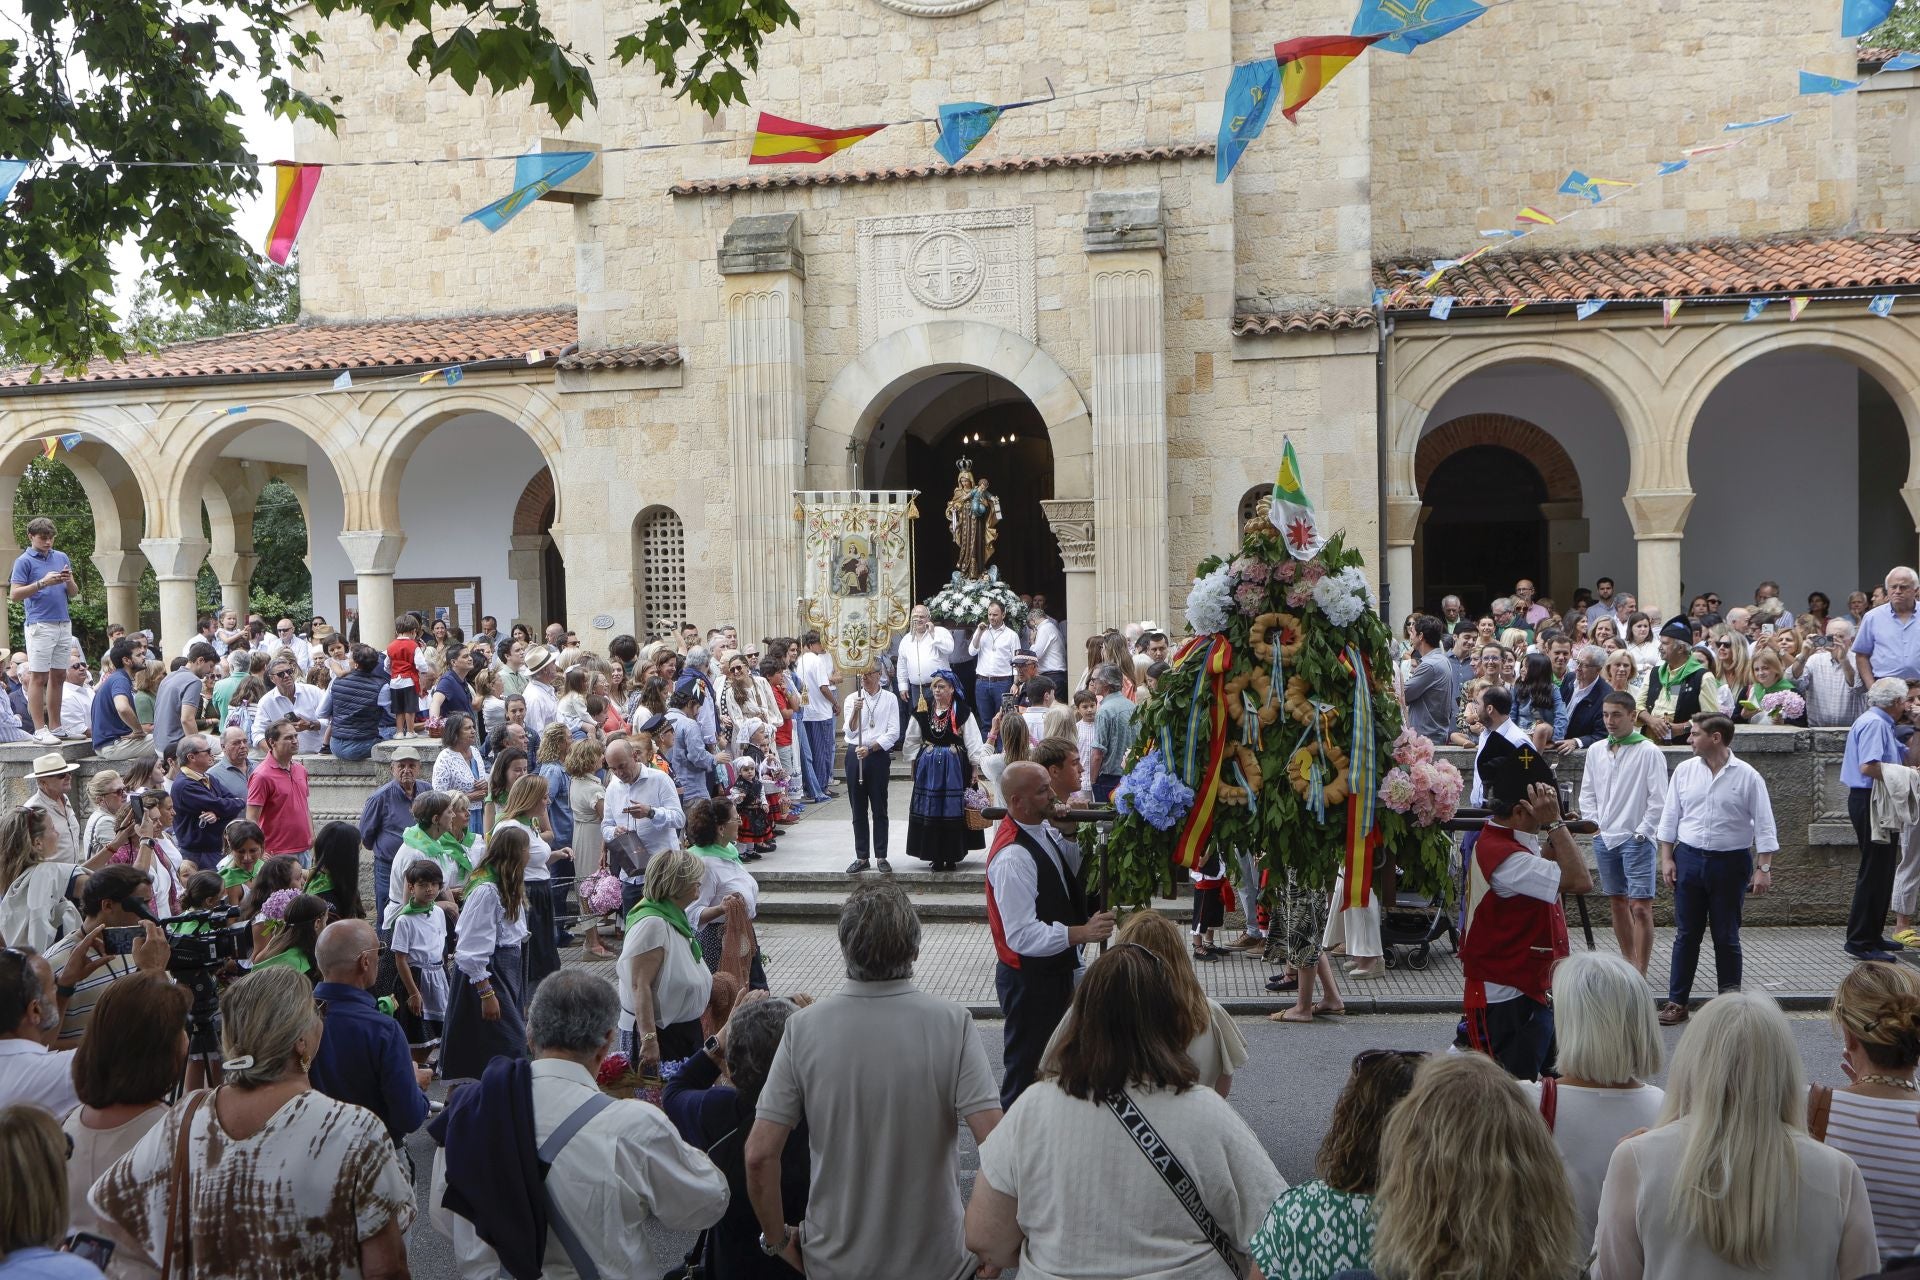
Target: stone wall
{"x":1813,"y":872}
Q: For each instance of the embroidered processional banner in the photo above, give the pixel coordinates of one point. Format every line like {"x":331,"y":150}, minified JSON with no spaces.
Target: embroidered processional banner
{"x":857,"y":584}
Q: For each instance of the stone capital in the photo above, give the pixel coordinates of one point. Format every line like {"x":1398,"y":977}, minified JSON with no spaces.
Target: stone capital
{"x":119,"y":568}
{"x":175,"y":558}
{"x":1072,"y":523}
{"x":1122,"y":220}
{"x":232,"y":566}
{"x":373,"y":551}
{"x":1659,"y":513}
{"x":763,"y":242}
{"x":1403,"y":520}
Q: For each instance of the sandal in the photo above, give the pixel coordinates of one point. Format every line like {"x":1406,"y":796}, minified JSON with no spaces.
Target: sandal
{"x":1329,"y":1011}
{"x":1908,"y":936}
{"x":1289,"y":1015}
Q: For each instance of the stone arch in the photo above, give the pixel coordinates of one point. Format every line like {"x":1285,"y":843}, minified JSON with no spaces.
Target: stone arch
{"x":199,"y":448}
{"x":862,"y":390}
{"x":526,"y":407}
{"x":534,"y":513}
{"x":108,"y":463}
{"x":1890,"y":353}
{"x":1546,"y":454}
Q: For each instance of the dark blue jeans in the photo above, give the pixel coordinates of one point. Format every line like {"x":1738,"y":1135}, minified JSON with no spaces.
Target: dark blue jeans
{"x":353,"y":748}
{"x":1708,"y":891}
{"x":382,"y":872}
{"x":1520,"y":1037}
{"x":820,"y":746}
{"x":988,"y":691}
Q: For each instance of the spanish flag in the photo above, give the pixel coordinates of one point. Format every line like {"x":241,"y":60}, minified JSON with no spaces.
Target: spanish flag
{"x":293,"y":186}
{"x":777,"y":141}
{"x":1307,"y":64}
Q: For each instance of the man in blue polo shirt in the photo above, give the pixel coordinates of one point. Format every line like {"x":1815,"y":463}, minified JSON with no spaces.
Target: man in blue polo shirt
{"x":117,"y":734}
{"x":1889,"y":640}
{"x":363,"y":1058}
{"x":42,"y":580}
{"x":1871,"y":743}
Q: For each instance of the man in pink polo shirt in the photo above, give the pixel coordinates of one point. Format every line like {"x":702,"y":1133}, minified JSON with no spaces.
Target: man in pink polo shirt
{"x":277,"y":794}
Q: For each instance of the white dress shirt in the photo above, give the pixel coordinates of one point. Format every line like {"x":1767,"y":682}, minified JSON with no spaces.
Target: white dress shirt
{"x":659,"y":830}
{"x":1523,"y":875}
{"x":627,"y":1167}
{"x":1719,"y":812}
{"x":872,"y":720}
{"x":922,"y":655}
{"x":543,"y":707}
{"x":302,"y":652}
{"x":1050,"y":647}
{"x":993,"y":650}
{"x":718,"y":878}
{"x":483,"y":927}
{"x":276,"y":706}
{"x":33,"y":1075}
{"x":1624,"y":789}
{"x":1016,"y":882}
{"x":1476,"y":795}
{"x":76,"y":710}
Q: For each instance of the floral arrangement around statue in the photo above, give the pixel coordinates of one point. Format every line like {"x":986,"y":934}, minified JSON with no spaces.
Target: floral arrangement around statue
{"x":1277,"y":731}
{"x":963,"y":602}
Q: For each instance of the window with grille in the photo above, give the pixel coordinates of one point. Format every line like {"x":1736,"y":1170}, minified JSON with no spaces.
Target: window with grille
{"x":662,"y":556}
{"x":1250,"y":502}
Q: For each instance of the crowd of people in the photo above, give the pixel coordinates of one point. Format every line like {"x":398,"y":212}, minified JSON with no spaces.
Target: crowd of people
{"x":209,"y":1008}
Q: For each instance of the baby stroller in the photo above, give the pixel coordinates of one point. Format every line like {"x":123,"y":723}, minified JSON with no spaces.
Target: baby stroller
{"x":1411,"y":925}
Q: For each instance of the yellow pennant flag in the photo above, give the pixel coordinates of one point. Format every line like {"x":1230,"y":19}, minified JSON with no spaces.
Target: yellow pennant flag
{"x":1516,"y":308}
{"x":1668,"y":309}
{"x":1795,"y":306}
{"x":52,"y":443}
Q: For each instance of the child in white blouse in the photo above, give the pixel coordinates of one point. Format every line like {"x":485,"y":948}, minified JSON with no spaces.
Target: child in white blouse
{"x":420,"y":952}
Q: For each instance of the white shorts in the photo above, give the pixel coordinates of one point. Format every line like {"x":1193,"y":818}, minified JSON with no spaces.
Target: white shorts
{"x":49,"y":646}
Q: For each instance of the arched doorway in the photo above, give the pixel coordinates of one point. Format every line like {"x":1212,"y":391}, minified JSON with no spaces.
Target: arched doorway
{"x":921,"y":436}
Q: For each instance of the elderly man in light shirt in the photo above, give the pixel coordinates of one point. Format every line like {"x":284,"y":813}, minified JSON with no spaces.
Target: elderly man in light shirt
{"x":1826,"y":677}
{"x":1717,"y":842}
{"x":76,"y":700}
{"x":924,"y":650}
{"x":1889,"y":639}
{"x":290,"y":697}
{"x":616,"y":1171}
{"x":285,"y":639}
{"x":641,"y":802}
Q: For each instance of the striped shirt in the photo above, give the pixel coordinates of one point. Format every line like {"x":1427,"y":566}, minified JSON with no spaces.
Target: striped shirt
{"x":87,"y":993}
{"x":1883,"y":1137}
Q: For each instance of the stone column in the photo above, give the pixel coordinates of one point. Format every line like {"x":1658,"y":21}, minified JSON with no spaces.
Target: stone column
{"x":176,"y":563}
{"x":1911,"y":493}
{"x":1567,"y":535}
{"x":1125,"y":245}
{"x":234,"y":569}
{"x":120,"y":573}
{"x":526,"y":565}
{"x":374,"y":554}
{"x":1659,"y":519}
{"x":1403,"y":526}
{"x":763,"y":273}
{"x":1073,"y":528}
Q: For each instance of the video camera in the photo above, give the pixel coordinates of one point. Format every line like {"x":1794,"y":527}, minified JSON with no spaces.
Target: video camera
{"x":204,"y":940}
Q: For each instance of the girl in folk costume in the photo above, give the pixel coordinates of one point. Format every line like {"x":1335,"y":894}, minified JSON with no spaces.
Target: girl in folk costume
{"x":246,"y":850}
{"x":1521,"y":864}
{"x":945,"y":749}
{"x":486,"y":1014}
{"x":420,"y":948}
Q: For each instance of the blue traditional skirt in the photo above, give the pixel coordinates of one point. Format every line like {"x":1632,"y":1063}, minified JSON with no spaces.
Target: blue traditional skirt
{"x":470,"y":1042}
{"x":936,"y":823}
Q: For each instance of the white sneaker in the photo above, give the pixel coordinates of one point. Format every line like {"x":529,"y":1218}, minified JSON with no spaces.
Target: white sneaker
{"x":48,"y":736}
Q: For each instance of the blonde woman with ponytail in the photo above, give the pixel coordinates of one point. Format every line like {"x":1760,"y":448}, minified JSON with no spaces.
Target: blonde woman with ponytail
{"x":1729,"y":1184}
{"x":1877,"y":1010}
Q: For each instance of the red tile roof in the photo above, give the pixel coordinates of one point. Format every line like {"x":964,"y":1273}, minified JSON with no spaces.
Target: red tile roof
{"x":1734,"y":269}
{"x":1251,"y":323}
{"x":641,"y":355}
{"x":814,"y":177}
{"x":324,"y":350}
{"x":1870,"y":58}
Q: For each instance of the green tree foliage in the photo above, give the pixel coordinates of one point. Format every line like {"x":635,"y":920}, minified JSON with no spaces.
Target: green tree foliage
{"x":1901,"y":30}
{"x":272,"y":299}
{"x":93,"y":85}
{"x":282,"y":585}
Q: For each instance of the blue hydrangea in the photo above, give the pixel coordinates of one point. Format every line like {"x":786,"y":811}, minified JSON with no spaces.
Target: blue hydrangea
{"x":1156,"y":795}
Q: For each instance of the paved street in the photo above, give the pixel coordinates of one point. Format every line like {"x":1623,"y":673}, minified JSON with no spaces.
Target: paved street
{"x":1285,"y":1092}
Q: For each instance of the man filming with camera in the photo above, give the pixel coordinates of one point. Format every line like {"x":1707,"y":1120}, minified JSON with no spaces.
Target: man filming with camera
{"x":33,"y":1002}
{"x":119,"y":900}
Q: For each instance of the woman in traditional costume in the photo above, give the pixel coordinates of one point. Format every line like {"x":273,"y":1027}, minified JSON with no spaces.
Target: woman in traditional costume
{"x":944,"y":748}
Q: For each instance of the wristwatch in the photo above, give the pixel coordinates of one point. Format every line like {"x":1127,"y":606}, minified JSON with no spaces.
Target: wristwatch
{"x":775,"y":1250}
{"x":712,"y":1048}
{"x":61,"y":989}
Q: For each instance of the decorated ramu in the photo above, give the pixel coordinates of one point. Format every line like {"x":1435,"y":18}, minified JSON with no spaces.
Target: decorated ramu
{"x":1277,"y":730}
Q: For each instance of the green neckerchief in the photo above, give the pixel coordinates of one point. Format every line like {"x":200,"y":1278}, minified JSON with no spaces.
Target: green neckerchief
{"x":291,"y":958}
{"x":673,"y":915}
{"x":1669,"y":678}
{"x":232,"y":873}
{"x":445,"y":849}
{"x":1629,"y":740}
{"x":1759,"y":691}
{"x":322,"y":882}
{"x":720,"y":852}
{"x":484,"y":875}
{"x":416,"y":908}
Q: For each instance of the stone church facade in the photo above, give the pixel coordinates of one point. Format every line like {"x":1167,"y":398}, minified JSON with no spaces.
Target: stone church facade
{"x":656,"y":357}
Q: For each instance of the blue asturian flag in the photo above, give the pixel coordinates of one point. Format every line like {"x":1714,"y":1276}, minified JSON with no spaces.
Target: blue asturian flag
{"x":1813,"y":82}
{"x":1857,"y":17}
{"x":1251,"y":93}
{"x":1882,"y":305}
{"x":962,"y":126}
{"x":10,"y":173}
{"x":1412,"y":23}
{"x":533,"y":176}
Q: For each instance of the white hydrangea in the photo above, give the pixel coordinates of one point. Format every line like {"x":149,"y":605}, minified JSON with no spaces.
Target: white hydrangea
{"x":1357,"y":583}
{"x":1210,"y":602}
{"x":1336,"y":597}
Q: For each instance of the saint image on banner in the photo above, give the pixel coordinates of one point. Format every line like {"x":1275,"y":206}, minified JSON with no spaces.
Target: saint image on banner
{"x":853,"y":567}
{"x":973,"y":517}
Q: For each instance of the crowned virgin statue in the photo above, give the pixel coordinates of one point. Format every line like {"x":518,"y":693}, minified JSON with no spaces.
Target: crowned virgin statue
{"x":973,"y":516}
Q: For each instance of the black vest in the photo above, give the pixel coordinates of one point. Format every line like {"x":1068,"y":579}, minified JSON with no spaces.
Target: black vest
{"x":1686,"y":703}
{"x":1058,"y":899}
{"x":356,"y":706}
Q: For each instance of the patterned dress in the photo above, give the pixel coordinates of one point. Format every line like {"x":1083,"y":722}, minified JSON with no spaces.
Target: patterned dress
{"x":936,"y":824}
{"x":1313,"y":1232}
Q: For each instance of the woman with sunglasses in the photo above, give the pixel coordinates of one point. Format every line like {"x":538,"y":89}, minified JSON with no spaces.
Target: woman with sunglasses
{"x":1067,"y":1183}
{"x":1325,"y":1226}
{"x":1734,"y":666}
{"x":265,"y":1137}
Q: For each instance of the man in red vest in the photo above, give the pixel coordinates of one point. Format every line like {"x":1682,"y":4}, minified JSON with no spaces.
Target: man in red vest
{"x":1515,"y":930}
{"x":1038,"y":912}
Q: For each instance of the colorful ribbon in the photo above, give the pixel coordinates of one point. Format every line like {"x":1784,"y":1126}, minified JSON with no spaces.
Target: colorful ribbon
{"x":1190,"y":849}
{"x":1362,"y":768}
